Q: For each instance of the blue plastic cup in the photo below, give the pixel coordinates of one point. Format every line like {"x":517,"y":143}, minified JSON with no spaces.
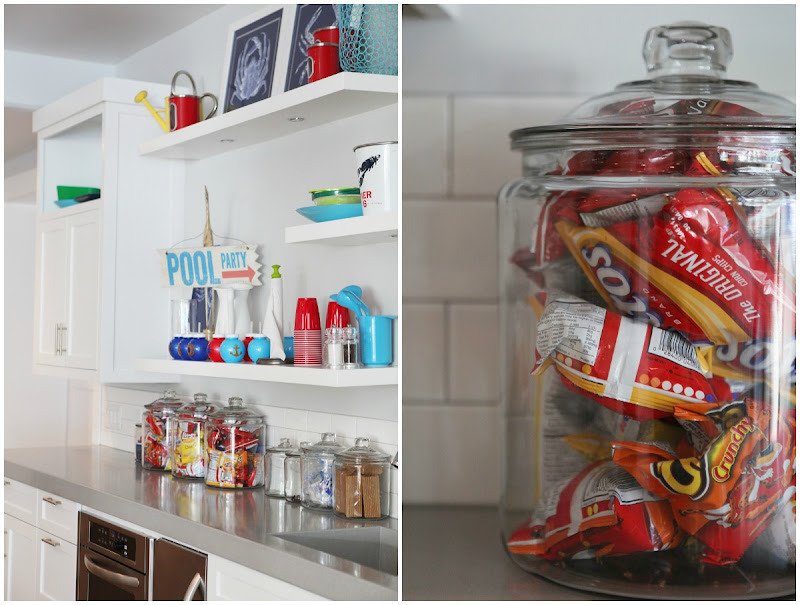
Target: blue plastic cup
{"x":288,"y":346}
{"x":376,"y":339}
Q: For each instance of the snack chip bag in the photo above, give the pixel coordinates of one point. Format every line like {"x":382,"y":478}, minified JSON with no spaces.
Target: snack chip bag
{"x":599,"y":512}
{"x":727,"y":495}
{"x":630,"y":367}
{"x":692,"y":267}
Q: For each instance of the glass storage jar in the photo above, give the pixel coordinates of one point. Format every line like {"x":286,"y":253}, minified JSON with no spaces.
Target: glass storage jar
{"x":316,"y":469}
{"x":155,"y":446}
{"x":187,"y":438}
{"x":274,"y":460}
{"x":361,"y":482}
{"x":647,"y":263}
{"x":292,"y":478}
{"x":234,"y":445}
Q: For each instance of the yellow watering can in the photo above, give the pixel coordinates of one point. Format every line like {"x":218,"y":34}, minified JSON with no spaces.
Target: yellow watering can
{"x":142,"y":98}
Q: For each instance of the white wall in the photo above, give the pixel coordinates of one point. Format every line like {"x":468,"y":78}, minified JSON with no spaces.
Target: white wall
{"x":466,"y":84}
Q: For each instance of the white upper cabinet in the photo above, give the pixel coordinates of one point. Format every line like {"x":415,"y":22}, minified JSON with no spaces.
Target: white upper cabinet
{"x":99,"y":301}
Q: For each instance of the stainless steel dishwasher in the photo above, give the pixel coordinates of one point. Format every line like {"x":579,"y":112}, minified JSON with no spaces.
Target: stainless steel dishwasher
{"x":118,"y":564}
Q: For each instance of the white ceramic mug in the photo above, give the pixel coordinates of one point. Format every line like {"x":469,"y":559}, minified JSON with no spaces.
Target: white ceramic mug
{"x":376,"y":168}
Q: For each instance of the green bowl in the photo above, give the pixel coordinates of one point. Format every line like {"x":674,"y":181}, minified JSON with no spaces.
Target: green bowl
{"x":70,"y":193}
{"x":340,"y":195}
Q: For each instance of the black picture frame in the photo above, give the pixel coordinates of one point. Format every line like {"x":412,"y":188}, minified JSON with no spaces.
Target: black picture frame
{"x":252,"y":60}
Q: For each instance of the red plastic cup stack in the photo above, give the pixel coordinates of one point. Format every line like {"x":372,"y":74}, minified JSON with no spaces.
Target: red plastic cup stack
{"x":307,"y":333}
{"x":337,"y":317}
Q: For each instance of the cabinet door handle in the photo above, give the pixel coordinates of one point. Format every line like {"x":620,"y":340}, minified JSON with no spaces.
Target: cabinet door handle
{"x":51,"y":542}
{"x":56,"y":340}
{"x":52,"y":501}
{"x":195,"y":585}
{"x":6,"y":482}
{"x":63,"y":339}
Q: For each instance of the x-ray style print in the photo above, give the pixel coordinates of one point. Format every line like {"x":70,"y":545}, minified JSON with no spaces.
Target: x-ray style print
{"x":252,"y":65}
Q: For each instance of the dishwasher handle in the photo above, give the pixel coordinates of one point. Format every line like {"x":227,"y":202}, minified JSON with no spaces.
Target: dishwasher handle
{"x":195,"y":585}
{"x":113,"y":577}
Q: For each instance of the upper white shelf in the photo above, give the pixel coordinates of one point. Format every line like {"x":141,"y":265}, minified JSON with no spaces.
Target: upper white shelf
{"x":357,"y":231}
{"x":334,"y":98}
{"x":315,"y":376}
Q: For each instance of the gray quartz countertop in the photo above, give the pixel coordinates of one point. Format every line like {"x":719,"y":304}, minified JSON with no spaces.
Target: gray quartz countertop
{"x":455,"y":553}
{"x":240,"y":526}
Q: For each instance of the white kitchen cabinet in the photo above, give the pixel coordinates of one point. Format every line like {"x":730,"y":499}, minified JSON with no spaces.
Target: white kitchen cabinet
{"x":57,"y":569}
{"x":20,"y":559}
{"x":67,"y":302}
{"x":19,"y":501}
{"x":58,"y":516}
{"x":229,"y":581}
{"x":99,"y":300}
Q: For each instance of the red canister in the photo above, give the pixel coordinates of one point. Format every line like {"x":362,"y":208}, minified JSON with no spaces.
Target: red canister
{"x":327,"y":34}
{"x":323,"y":60}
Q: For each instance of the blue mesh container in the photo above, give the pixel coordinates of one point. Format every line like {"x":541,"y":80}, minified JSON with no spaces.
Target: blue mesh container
{"x":368,"y":38}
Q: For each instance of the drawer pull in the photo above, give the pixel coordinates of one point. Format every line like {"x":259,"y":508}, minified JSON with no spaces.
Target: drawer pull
{"x":52,"y":501}
{"x":6,"y":482}
{"x":51,"y":542}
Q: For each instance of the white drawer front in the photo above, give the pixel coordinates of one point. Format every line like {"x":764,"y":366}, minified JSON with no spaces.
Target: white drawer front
{"x":20,"y":500}
{"x":229,"y":581}
{"x":58,"y":516}
{"x":58,"y":561}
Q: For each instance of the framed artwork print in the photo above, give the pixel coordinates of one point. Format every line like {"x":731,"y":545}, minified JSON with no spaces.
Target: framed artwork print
{"x":256,"y":56}
{"x":308,"y":18}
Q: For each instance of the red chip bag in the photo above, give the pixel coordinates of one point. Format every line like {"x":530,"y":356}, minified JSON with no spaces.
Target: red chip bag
{"x":630,"y":367}
{"x":602,"y":512}
{"x":693,"y":267}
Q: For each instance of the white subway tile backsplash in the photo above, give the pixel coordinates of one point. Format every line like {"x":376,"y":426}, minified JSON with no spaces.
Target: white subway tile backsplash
{"x":382,"y":431}
{"x":451,"y":454}
{"x":452,"y":252}
{"x":482,"y":157}
{"x":297,"y":419}
{"x":426,"y":125}
{"x":318,"y":422}
{"x":424,"y":361}
{"x":473,"y":353}
{"x":343,"y":426}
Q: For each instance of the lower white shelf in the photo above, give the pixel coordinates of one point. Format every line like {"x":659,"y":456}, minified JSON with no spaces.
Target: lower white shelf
{"x":315,"y":376}
{"x":356,"y":231}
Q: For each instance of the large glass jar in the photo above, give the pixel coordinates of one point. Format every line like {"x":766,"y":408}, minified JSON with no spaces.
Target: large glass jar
{"x":647,"y":262}
{"x":361,"y":482}
{"x":155,"y":444}
{"x":186,"y":437}
{"x":274,"y":461}
{"x":316,"y":469}
{"x":234,"y":444}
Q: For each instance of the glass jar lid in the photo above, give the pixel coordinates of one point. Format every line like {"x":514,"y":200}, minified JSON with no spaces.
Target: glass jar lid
{"x":326,"y":445}
{"x":298,"y":450}
{"x":235,"y":414}
{"x":199,"y":407}
{"x":167,"y":402}
{"x":686,"y":90}
{"x":284,"y":446}
{"x":362,"y":452}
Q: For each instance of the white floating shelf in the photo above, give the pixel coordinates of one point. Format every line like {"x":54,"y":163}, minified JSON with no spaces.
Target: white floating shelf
{"x":315,"y":376}
{"x":357,"y":231}
{"x":334,"y":98}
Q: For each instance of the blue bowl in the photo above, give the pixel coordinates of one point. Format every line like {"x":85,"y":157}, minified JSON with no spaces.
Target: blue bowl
{"x":331,"y":212}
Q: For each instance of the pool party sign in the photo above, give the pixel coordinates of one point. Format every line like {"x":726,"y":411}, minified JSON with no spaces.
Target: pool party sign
{"x":209,"y":267}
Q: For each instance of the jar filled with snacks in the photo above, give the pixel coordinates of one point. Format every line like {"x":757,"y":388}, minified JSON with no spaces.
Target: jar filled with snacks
{"x":155,"y":445}
{"x":274,"y":460}
{"x":186,"y":437}
{"x":292,"y":478}
{"x":361,"y":482}
{"x":234,"y":445}
{"x":647,"y":358}
{"x":316,"y":469}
